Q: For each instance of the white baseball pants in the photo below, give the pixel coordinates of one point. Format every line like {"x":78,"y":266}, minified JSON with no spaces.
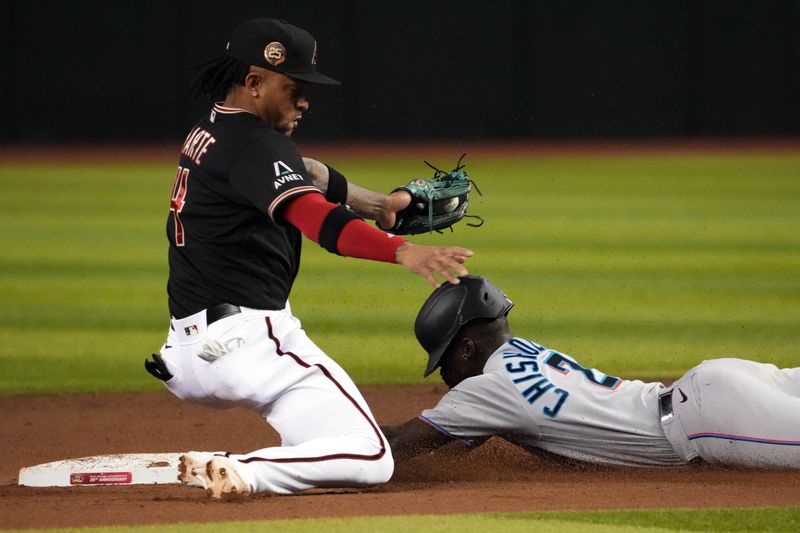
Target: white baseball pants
{"x":737,"y":412}
{"x":265,"y":361}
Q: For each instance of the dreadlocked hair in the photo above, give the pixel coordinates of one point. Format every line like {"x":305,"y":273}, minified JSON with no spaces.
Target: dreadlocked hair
{"x":219,"y":76}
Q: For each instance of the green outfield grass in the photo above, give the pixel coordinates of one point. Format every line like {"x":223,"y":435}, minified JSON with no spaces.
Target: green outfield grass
{"x":775,"y":520}
{"x":641,"y":266}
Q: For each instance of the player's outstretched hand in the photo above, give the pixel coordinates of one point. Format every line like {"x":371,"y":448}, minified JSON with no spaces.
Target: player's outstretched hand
{"x":432,"y":261}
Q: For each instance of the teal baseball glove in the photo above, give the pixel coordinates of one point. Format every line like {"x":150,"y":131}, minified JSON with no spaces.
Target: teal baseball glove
{"x":436,"y":203}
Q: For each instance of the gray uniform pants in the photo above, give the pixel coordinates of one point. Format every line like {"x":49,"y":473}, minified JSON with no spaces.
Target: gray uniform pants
{"x":735,"y":412}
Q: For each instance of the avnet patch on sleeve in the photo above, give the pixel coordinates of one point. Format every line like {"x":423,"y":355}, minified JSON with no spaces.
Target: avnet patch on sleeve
{"x":268,"y":172}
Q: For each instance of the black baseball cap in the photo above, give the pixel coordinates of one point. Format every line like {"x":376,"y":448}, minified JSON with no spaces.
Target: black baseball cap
{"x":278,"y":46}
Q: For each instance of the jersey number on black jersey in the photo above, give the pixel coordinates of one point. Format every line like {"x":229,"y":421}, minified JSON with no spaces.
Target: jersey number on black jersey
{"x":177,"y":201}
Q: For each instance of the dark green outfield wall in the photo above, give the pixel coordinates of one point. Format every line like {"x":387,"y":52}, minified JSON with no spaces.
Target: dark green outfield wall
{"x":118,"y":70}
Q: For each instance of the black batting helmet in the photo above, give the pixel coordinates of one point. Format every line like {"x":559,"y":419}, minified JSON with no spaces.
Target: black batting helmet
{"x":450,"y":307}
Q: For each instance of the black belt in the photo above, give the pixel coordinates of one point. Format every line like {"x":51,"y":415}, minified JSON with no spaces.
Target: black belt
{"x":220,"y":311}
{"x":157,"y":368}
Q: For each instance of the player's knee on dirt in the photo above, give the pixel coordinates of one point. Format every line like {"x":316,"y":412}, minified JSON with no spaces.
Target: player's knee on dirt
{"x":377,"y":472}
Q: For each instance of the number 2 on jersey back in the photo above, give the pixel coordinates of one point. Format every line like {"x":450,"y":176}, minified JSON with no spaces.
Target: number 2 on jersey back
{"x":564,"y":365}
{"x":177,"y":202}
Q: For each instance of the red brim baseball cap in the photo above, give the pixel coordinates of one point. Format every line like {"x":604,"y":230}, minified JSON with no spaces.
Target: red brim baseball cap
{"x":278,"y":46}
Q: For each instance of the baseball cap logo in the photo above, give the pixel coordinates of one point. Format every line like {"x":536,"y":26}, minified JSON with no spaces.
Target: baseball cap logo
{"x":275,"y":53}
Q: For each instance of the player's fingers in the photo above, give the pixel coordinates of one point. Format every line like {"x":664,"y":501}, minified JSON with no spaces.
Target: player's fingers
{"x":433,"y":261}
{"x":453,"y":280}
{"x":450,"y":270}
{"x":456,"y":264}
{"x":431,"y":279}
{"x":429,"y":269}
{"x":454,"y":274}
{"x":461,"y":251}
{"x":459,"y":254}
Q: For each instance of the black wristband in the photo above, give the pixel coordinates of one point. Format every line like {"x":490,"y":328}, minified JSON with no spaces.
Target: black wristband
{"x":332,"y":226}
{"x":337,"y":187}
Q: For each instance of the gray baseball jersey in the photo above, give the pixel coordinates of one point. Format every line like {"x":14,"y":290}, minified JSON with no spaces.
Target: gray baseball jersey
{"x":542,"y":398}
{"x":728,"y":411}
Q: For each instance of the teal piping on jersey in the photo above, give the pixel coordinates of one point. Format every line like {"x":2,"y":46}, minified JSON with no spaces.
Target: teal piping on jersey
{"x":440,"y":429}
{"x":744,"y":439}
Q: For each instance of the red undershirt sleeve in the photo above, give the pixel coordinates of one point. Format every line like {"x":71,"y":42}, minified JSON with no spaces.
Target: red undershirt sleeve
{"x":307,"y":213}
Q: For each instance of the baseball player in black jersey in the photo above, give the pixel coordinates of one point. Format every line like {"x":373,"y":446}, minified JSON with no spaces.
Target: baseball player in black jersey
{"x":241,"y":198}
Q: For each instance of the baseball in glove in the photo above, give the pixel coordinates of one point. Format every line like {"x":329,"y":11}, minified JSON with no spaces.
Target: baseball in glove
{"x":436,"y":203}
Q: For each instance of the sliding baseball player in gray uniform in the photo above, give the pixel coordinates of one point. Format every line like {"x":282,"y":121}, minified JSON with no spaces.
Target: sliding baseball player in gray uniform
{"x":724,"y":411}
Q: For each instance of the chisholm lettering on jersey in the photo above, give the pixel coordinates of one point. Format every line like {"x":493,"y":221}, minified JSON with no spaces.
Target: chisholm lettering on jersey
{"x":197,"y":143}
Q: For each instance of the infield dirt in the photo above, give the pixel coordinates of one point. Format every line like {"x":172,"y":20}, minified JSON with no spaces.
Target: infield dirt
{"x":494,"y":477}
